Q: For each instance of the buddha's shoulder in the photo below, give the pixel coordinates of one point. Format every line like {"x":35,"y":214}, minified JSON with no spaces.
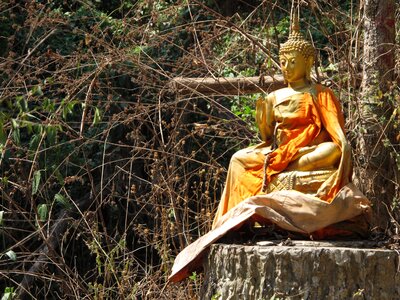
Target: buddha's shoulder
{"x":282,"y":93}
{"x":319,"y":87}
{"x":286,"y":93}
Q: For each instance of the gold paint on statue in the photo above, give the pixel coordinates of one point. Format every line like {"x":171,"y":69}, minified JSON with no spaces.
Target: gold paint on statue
{"x":298,"y":179}
{"x":302,"y":127}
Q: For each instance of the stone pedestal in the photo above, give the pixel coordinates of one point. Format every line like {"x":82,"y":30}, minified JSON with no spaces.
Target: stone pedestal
{"x":301,"y":270}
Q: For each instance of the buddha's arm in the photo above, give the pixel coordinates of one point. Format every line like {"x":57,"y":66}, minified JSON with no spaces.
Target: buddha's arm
{"x":346,"y":158}
{"x":325,"y":155}
{"x":264,"y":117}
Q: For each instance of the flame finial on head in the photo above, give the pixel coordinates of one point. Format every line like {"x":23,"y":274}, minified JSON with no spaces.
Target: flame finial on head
{"x":295,"y":27}
{"x":296,"y":41}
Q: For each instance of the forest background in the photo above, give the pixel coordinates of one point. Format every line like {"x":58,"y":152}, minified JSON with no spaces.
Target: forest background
{"x":107,"y":173}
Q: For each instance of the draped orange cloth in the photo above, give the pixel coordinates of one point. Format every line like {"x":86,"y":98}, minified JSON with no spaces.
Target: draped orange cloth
{"x":298,"y":122}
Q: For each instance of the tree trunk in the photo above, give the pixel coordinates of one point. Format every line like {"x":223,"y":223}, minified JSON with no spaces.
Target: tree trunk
{"x":375,"y":168}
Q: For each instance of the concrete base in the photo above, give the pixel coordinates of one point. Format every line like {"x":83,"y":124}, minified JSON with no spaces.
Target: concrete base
{"x":301,"y":270}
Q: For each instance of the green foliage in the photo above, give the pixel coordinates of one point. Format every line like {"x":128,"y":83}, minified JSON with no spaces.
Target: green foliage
{"x":62,"y":201}
{"x":43,"y":212}
{"x":36,"y":181}
{"x":244,"y":107}
{"x":216,"y":296}
{"x":11,"y":255}
{"x":193,"y":276}
{"x":8,"y":294}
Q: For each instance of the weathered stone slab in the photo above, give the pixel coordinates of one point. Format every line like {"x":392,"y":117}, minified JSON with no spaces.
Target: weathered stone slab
{"x":301,"y":270}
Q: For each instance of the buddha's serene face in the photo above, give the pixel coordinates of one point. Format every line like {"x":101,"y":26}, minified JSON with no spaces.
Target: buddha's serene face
{"x":294,"y":66}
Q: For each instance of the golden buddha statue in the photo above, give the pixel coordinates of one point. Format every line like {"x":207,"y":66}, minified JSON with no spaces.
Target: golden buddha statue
{"x":298,"y":178}
{"x":302,"y":127}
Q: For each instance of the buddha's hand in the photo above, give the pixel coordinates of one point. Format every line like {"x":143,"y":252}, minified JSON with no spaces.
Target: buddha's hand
{"x":261,"y":112}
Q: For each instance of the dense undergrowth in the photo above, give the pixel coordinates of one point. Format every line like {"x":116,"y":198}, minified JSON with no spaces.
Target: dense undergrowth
{"x":106,"y":174}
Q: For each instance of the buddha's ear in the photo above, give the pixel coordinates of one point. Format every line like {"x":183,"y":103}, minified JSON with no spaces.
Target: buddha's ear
{"x":309,"y":64}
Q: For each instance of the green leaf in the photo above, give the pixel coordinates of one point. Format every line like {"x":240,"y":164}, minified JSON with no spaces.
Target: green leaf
{"x":34,"y":142}
{"x":216,"y":296}
{"x":21,"y":104}
{"x":15,"y":133}
{"x":137,"y":50}
{"x":60,"y":199}
{"x":12,"y":255}
{"x":3,"y":136}
{"x":193,"y":276}
{"x":14,"y":124}
{"x":49,"y":80}
{"x":51,"y":133}
{"x":42,"y":212}
{"x":37,"y":91}
{"x":1,"y":217}
{"x":59,"y":176}
{"x":97,"y":116}
{"x":36,"y":181}
{"x":68,"y":109}
{"x":16,"y":136}
{"x":48,"y":105}
{"x":9,"y":293}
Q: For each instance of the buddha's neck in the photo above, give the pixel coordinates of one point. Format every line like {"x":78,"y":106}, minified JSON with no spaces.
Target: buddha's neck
{"x":299,"y":84}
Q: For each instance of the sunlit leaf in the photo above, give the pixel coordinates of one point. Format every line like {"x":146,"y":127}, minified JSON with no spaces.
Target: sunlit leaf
{"x":14,"y":124}
{"x":60,"y":199}
{"x":42,"y":212}
{"x":193,"y":276}
{"x":9,"y":293}
{"x":37,"y":91}
{"x":97,"y":116}
{"x":15,"y":133}
{"x":3,"y":136}
{"x":68,"y":108}
{"x":36,"y":181}
{"x":12,"y":255}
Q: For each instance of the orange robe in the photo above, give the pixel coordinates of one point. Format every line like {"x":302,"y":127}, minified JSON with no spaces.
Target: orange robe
{"x":296,"y":124}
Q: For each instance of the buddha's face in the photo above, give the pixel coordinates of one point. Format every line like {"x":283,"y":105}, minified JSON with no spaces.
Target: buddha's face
{"x":294,"y":66}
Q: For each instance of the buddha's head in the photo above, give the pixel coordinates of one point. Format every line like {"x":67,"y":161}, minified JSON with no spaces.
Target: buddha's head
{"x":296,"y":56}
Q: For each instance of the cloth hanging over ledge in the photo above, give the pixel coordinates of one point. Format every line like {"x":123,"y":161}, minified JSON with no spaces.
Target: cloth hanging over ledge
{"x":290,"y":210}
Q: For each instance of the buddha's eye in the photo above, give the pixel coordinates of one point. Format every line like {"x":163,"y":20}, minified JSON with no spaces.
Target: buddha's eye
{"x":293,"y":61}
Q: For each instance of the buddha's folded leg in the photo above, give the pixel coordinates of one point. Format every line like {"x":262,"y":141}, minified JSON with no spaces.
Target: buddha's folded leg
{"x":244,"y":178}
